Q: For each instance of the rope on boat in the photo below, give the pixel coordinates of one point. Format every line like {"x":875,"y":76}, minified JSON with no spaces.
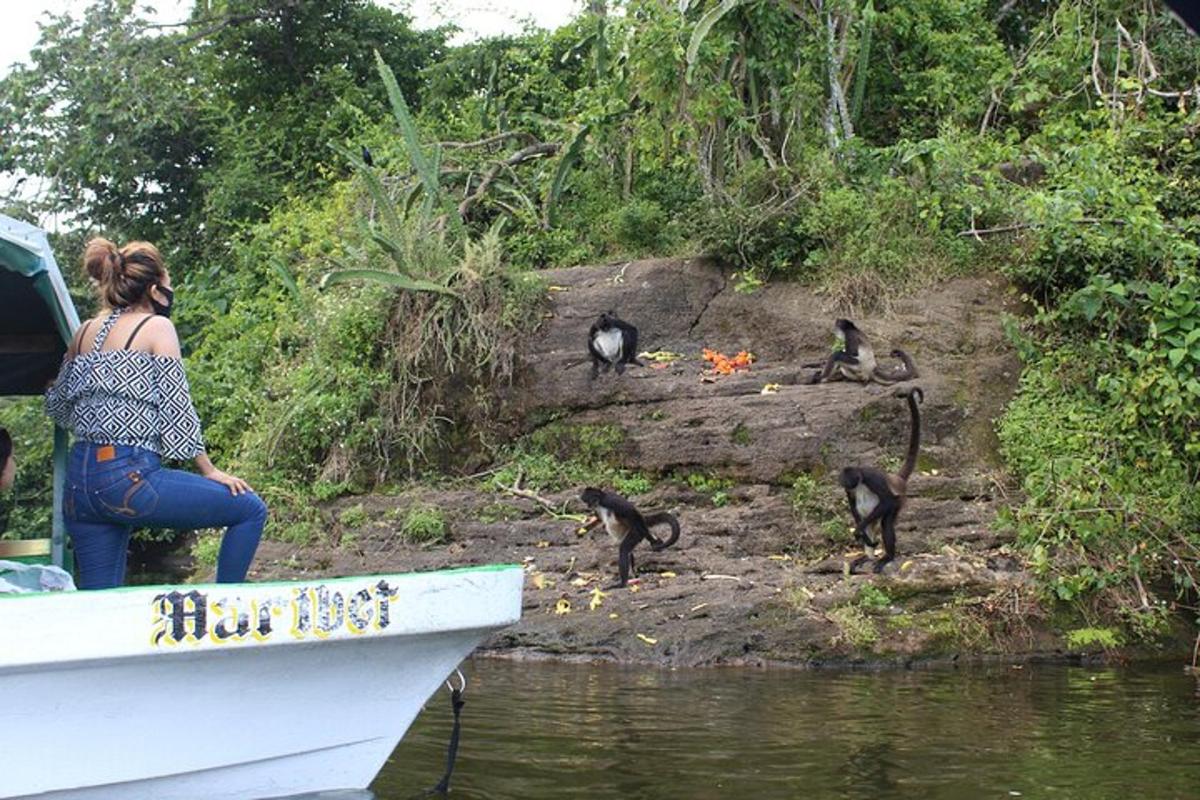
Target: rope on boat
{"x":456,"y":704}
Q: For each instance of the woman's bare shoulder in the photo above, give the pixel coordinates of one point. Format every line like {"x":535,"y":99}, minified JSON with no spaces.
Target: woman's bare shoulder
{"x":158,"y":336}
{"x":85,"y":334}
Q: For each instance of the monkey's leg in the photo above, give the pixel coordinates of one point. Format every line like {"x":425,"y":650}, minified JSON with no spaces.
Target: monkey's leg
{"x":620,"y":367}
{"x":864,"y":537}
{"x":595,"y":367}
{"x":889,"y":540}
{"x":625,"y":558}
{"x":834,"y":369}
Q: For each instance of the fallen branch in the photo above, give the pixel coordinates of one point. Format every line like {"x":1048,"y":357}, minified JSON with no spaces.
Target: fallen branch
{"x":1020,"y":226}
{"x":516,"y":489}
{"x":525,"y":154}
{"x":500,"y":137}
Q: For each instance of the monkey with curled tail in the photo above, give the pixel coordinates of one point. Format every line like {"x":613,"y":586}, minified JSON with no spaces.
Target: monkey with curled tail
{"x":877,"y":497}
{"x":856,"y":360}
{"x":626,"y":525}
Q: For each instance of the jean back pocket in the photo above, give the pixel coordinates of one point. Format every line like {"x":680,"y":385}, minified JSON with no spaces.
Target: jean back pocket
{"x":129,"y":497}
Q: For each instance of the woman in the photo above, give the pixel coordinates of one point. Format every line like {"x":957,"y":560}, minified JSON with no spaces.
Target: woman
{"x":123,"y":392}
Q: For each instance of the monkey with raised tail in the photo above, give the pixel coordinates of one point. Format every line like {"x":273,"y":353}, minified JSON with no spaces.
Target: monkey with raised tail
{"x":856,"y":360}
{"x":626,"y":525}
{"x":612,"y":343}
{"x":877,"y":497}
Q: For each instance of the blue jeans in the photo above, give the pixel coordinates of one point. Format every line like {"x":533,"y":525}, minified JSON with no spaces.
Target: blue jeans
{"x":112,"y":489}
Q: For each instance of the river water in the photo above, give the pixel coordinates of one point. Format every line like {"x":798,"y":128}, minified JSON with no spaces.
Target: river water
{"x":538,"y":730}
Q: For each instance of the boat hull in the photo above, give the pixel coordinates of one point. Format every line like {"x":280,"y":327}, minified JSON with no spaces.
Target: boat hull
{"x":222,"y":699}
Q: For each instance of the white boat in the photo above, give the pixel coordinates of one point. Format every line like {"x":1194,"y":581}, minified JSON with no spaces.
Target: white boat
{"x":230,"y":691}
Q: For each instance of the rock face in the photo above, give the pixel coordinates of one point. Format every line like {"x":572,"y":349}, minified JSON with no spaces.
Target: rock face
{"x":760,"y":574}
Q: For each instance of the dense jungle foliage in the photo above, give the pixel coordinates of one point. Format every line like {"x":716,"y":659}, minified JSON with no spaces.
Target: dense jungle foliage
{"x":867,"y":147}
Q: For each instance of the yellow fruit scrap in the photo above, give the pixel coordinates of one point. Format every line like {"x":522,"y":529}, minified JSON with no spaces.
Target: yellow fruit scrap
{"x":661,"y":356}
{"x":563,"y":606}
{"x":597,"y":599}
{"x":647,"y":639}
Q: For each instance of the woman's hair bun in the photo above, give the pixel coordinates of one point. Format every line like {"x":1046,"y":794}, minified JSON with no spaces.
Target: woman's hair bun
{"x":102,"y":260}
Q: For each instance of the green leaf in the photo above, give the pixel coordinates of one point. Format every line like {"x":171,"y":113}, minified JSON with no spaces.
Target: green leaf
{"x":393,"y":279}
{"x":391,"y":247}
{"x":703,"y":27}
{"x":565,"y":162}
{"x":1176,"y":356}
{"x":284,"y":275}
{"x":425,"y":168}
{"x":864,"y":60}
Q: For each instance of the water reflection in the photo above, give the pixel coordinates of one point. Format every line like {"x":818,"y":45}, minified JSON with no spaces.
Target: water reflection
{"x":533,"y":731}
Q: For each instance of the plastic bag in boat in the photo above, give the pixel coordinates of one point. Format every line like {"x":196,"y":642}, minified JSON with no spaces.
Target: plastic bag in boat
{"x":18,"y":578}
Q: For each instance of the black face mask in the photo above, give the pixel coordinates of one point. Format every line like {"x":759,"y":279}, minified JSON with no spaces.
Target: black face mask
{"x":163,"y":309}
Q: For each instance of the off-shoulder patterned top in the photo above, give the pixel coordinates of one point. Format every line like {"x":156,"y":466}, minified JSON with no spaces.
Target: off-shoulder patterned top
{"x":126,"y":397}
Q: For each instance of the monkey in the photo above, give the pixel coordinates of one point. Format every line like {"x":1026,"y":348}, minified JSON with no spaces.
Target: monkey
{"x":625,"y":524}
{"x":613,"y":343}
{"x":856,"y":360}
{"x":367,"y":158}
{"x":877,"y":496}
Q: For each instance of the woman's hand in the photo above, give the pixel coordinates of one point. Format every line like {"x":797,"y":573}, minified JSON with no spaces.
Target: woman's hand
{"x":236,"y":485}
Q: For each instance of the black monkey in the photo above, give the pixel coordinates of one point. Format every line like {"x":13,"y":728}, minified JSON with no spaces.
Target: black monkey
{"x":366,"y":157}
{"x":625,"y":524}
{"x":878,"y":496}
{"x":856,"y":360}
{"x":613,"y":343}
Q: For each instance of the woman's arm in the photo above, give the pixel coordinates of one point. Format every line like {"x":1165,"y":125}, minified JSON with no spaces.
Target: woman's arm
{"x":206,"y":468}
{"x":162,"y":340}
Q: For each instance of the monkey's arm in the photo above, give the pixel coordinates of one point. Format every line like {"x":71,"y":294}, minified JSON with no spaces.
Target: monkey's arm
{"x":852,"y":501}
{"x":597,"y":357}
{"x":593,"y":522}
{"x":860,"y":530}
{"x":877,"y":482}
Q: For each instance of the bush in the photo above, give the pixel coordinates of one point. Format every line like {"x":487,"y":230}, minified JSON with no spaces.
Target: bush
{"x":640,"y":226}
{"x":424,"y":525}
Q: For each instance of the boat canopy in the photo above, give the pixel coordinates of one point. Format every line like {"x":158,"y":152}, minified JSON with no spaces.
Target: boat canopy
{"x":37,"y":316}
{"x":37,"y":320}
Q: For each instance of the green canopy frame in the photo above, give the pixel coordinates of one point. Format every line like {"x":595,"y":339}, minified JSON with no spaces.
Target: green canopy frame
{"x":37,"y":321}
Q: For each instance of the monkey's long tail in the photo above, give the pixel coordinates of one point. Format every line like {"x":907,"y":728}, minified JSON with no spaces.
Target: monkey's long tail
{"x":914,"y":443}
{"x":662,"y":518}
